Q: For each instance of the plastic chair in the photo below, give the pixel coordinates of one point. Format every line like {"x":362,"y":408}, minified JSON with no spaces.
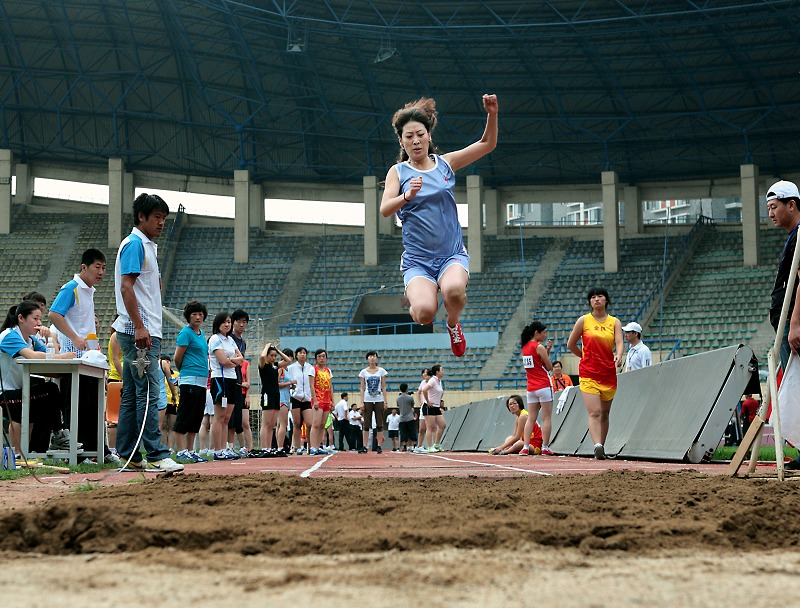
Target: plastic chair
{"x":113,"y":397}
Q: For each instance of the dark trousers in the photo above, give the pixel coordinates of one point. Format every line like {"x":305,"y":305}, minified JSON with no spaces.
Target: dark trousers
{"x":344,"y":432}
{"x":355,"y":439}
{"x":87,"y":409}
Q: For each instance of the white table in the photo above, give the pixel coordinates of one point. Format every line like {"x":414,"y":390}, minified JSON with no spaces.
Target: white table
{"x":57,"y":368}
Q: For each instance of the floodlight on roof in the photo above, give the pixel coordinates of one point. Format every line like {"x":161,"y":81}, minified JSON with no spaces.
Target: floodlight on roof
{"x":295,"y":40}
{"x":295,"y":46}
{"x":386,"y":51}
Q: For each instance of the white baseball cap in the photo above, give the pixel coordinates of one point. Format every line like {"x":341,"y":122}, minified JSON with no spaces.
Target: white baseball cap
{"x":782,"y":189}
{"x":633,"y":326}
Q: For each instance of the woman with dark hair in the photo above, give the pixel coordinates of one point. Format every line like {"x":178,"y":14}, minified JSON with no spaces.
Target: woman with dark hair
{"x":17,"y":339}
{"x":514,"y":442}
{"x":191,"y":359}
{"x":224,"y":386}
{"x":269,"y":369}
{"x":434,"y":421}
{"x":601,"y":355}
{"x":373,"y":391}
{"x":285,"y":385}
{"x":321,"y":401}
{"x":419,"y":189}
{"x":423,"y":411}
{"x":536,"y":361}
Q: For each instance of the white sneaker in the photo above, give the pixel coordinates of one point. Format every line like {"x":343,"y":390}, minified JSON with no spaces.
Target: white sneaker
{"x":420,"y":450}
{"x":599,"y":451}
{"x":167,"y":465}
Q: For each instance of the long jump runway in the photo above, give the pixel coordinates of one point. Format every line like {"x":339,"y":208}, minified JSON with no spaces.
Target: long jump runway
{"x":456,"y":464}
{"x":397,"y":465}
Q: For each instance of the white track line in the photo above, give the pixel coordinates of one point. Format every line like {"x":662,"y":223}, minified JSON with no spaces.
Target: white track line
{"x":489,"y":464}
{"x":307,"y":472}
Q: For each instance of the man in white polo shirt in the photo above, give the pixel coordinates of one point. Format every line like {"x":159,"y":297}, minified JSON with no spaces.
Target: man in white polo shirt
{"x":639,"y":355}
{"x":72,"y":313}
{"x":137,"y":285}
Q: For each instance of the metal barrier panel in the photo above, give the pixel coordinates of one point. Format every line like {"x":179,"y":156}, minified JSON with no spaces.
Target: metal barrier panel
{"x":478,"y":426}
{"x":675,"y":410}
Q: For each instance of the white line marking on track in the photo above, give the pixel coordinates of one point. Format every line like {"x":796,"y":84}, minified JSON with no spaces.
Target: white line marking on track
{"x":489,"y":464}
{"x":307,"y":472}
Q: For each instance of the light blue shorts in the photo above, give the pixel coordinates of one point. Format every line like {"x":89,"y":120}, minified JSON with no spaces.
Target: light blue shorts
{"x":431,"y":268}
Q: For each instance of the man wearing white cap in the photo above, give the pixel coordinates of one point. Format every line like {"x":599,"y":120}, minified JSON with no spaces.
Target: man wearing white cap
{"x":639,"y":355}
{"x":783,"y":199}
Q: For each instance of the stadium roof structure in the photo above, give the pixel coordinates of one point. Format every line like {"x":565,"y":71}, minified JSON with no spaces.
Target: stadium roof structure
{"x":305,"y":90}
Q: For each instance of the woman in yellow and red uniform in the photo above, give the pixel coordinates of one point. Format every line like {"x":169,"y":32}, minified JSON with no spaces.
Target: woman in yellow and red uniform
{"x":601,"y":356}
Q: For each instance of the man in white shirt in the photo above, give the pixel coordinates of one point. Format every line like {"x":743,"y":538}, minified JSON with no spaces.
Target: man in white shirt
{"x":72,"y":314}
{"x":300,"y":373}
{"x":639,"y":355}
{"x":137,"y":286}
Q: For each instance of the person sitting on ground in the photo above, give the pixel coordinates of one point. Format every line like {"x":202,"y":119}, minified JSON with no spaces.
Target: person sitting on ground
{"x":513,"y":443}
{"x":17,"y":339}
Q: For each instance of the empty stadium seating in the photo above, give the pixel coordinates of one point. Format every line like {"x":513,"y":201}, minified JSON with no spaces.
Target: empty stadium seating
{"x":714,"y":302}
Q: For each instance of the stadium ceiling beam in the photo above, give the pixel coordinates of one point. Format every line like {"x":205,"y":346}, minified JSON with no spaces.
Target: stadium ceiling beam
{"x":186,"y":61}
{"x":10,"y":41}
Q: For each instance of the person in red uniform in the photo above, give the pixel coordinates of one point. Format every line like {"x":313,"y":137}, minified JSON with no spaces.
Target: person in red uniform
{"x":749,"y":410}
{"x":536,"y":360}
{"x":601,"y":356}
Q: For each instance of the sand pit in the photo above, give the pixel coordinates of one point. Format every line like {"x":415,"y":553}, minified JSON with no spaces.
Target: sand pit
{"x":617,"y":538}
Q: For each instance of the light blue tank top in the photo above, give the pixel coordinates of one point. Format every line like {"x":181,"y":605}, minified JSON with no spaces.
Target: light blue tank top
{"x":430,"y":220}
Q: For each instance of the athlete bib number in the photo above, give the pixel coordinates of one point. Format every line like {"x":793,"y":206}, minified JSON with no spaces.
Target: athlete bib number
{"x":527,"y":362}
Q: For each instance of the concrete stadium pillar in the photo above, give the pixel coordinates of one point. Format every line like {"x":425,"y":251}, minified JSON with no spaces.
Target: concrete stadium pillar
{"x":6,"y":160}
{"x":634,"y":223}
{"x":387,"y":226}
{"x":751,"y":222}
{"x":257,"y":218}
{"x":24,"y":184}
{"x":475,"y":228}
{"x":495,"y":221}
{"x":241,"y":220}
{"x":116,"y":195}
{"x":610,"y":221}
{"x":546,"y":214}
{"x":372,"y":217}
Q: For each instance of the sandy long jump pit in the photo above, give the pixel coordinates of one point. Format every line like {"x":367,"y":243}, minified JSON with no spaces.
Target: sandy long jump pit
{"x":613,"y":538}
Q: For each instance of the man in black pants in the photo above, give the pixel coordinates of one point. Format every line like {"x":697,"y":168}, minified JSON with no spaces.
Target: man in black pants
{"x":341,"y":422}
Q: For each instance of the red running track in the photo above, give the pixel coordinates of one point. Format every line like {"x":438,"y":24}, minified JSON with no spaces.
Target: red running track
{"x":458,"y":464}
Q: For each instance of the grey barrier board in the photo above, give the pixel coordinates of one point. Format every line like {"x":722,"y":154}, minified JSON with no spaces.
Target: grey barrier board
{"x":474,"y":426}
{"x":660,"y":411}
{"x":454,"y":419}
{"x":478,"y":425}
{"x":676,"y":410}
{"x":744,"y":367}
{"x":500,"y":424}
{"x":570,"y":425}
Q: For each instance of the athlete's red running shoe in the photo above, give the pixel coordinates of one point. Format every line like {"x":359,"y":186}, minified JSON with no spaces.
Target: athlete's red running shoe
{"x":457,"y":342}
